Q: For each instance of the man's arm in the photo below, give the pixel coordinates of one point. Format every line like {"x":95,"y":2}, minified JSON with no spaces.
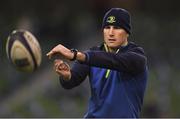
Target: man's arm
{"x":130,"y":61}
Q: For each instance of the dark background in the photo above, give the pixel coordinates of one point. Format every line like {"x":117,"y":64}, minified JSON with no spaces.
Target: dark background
{"x":77,"y":24}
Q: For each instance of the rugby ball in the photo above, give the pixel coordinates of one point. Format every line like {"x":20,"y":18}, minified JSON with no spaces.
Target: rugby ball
{"x":23,"y":50}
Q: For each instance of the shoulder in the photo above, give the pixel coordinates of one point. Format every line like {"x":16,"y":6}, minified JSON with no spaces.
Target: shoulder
{"x":133,"y":47}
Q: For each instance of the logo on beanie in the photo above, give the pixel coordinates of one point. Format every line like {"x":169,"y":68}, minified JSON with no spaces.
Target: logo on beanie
{"x":111,"y":19}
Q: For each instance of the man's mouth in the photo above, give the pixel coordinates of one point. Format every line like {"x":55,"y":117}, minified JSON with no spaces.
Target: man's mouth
{"x":112,"y":40}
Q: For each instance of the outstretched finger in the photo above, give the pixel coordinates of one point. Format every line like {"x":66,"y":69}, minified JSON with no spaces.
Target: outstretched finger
{"x":52,"y":53}
{"x":49,"y":54}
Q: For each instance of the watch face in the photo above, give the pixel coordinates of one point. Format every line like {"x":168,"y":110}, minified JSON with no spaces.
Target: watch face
{"x":74,"y":50}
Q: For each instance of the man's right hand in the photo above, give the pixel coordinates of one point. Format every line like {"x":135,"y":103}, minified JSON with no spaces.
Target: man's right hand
{"x":62,"y":68}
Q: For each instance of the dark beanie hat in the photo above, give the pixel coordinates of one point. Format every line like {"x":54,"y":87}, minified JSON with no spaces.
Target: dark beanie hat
{"x":118,"y":17}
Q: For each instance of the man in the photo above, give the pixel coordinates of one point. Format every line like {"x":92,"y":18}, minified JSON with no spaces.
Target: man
{"x":117,"y":70}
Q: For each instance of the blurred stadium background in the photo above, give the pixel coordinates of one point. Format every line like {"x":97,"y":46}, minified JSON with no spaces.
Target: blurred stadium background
{"x":77,"y":24}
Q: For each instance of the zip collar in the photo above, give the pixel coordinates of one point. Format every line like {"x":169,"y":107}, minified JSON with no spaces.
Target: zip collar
{"x":105,"y":47}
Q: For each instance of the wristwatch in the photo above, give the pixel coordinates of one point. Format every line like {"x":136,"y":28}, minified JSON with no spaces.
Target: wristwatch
{"x":74,"y":51}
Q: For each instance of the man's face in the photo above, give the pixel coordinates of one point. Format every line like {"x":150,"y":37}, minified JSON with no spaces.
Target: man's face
{"x":114,"y":36}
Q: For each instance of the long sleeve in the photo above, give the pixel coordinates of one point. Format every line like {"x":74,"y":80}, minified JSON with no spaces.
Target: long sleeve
{"x":131,"y":60}
{"x":78,"y":75}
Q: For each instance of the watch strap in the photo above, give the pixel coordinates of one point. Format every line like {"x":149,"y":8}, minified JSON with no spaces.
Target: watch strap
{"x":74,"y":51}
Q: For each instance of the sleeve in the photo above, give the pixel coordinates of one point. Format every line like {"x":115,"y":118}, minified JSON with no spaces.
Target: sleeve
{"x":78,"y":75}
{"x":133,"y":60}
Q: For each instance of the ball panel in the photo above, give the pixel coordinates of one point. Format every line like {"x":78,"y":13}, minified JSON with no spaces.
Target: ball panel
{"x":34,"y":44}
{"x":21,"y":57}
{"x":19,"y":34}
{"x":9,"y":44}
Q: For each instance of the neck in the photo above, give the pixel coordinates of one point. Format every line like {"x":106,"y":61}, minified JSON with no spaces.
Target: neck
{"x":125,"y":43}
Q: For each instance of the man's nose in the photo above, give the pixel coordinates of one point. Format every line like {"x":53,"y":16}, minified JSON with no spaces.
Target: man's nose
{"x":111,"y":31}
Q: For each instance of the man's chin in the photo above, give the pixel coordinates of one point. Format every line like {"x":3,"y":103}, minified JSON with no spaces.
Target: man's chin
{"x":113,"y":46}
